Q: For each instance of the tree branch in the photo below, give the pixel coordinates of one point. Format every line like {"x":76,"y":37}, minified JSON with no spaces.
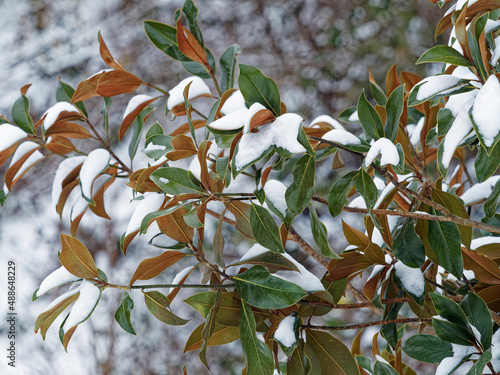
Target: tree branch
{"x":364,"y":325}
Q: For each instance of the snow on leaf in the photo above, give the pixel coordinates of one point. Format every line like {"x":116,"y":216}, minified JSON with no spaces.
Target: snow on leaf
{"x":283,"y":132}
{"x":388,"y":151}
{"x":486,"y":112}
{"x":275,"y":192}
{"x":59,"y":277}
{"x":135,"y":102}
{"x":234,"y":103}
{"x":254,"y":108}
{"x":96,"y":162}
{"x":433,"y":85}
{"x":479,"y":191}
{"x":285,"y":333}
{"x":342,"y":136}
{"x":231,"y":121}
{"x":64,"y":169}
{"x":329,"y":120}
{"x":305,"y":279}
{"x":150,"y":203}
{"x":411,"y":278}
{"x":72,"y":290}
{"x":84,"y":306}
{"x":176,"y":95}
{"x":52,"y":114}
{"x":195,"y":166}
{"x":177,"y":279}
{"x":10,"y":134}
{"x":23,"y":148}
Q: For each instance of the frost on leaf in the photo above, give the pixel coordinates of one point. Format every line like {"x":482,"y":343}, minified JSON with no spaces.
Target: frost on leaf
{"x":96,"y":162}
{"x":486,"y":112}
{"x":176,"y":95}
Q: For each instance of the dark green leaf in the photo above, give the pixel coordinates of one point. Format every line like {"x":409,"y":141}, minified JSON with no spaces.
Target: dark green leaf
{"x":288,"y":350}
{"x":137,"y":127}
{"x":227,"y":65}
{"x":175,"y":181}
{"x":444,"y":239}
{"x":258,"y":355}
{"x":155,"y":129}
{"x":347,"y":115}
{"x":443,"y":54}
{"x":222,"y":168}
{"x":445,"y":121}
{"x":452,"y":332}
{"x":260,"y":289}
{"x":320,"y":234}
{"x":335,"y":287}
{"x":21,"y":115}
{"x":65,"y":92}
{"x":191,"y":219}
{"x":209,"y":327}
{"x":164,"y":37}
{"x":449,"y":310}
{"x":191,"y":13}
{"x":337,"y":198}
{"x":485,"y":165}
{"x":334,"y":357}
{"x":490,"y":205}
{"x":299,"y":193}
{"x":394,"y":110}
{"x":218,"y":242}
{"x":378,"y":94}
{"x":366,"y":187}
{"x":270,"y":260}
{"x":257,"y":88}
{"x":381,"y":368}
{"x":3,"y":197}
{"x":369,"y":118}
{"x":480,"y":364}
{"x":264,"y":229}
{"x":408,"y":247}
{"x":298,"y":364}
{"x":428,"y":348}
{"x":158,"y":305}
{"x":476,"y":56}
{"x":479,"y":316}
{"x":122,"y":315}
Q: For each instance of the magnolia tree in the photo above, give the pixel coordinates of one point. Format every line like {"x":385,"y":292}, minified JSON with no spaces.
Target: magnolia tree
{"x":428,"y":153}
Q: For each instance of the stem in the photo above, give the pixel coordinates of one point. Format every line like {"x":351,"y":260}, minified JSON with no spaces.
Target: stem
{"x":216,"y":84}
{"x":199,"y":113}
{"x":156,"y":88}
{"x":364,"y":325}
{"x":156,"y":286}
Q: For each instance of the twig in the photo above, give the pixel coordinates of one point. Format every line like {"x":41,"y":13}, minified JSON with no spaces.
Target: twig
{"x":157,"y":286}
{"x":364,"y":325}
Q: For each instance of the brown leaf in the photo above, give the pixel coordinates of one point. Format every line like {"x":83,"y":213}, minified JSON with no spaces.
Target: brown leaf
{"x":67,"y":129}
{"x":67,"y":337}
{"x":117,"y":82}
{"x":190,"y":46}
{"x":98,"y":207}
{"x":355,"y":237}
{"x":491,"y":295}
{"x":25,"y":88}
{"x":45,"y":319}
{"x":184,"y":147}
{"x":66,"y":191}
{"x":140,"y":181}
{"x":461,"y":34}
{"x":184,"y":128}
{"x":484,"y":268}
{"x":410,"y":80}
{"x":60,"y":145}
{"x":374,"y":253}
{"x":349,"y":264}
{"x":11,"y":176}
{"x":106,"y":55}
{"x":262,"y":117}
{"x":241,"y":212}
{"x":5,"y":154}
{"x":392,"y":80}
{"x":174,"y":226}
{"x":152,"y":267}
{"x":87,"y":89}
{"x":202,"y":158}
{"x":76,"y":258}
{"x":221,"y":335}
{"x":129,"y":119}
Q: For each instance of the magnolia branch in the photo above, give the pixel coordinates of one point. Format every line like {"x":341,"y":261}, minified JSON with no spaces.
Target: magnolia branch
{"x":364,"y":325}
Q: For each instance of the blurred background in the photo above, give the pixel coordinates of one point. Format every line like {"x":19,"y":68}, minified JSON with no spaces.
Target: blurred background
{"x":319,"y":53}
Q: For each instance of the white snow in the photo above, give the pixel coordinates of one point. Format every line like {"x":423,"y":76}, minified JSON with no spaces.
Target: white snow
{"x":150,"y":203}
{"x":52,"y":114}
{"x":72,"y":290}
{"x":10,"y":134}
{"x":58,"y":277}
{"x":285,"y":333}
{"x":96,"y":161}
{"x":461,"y":3}
{"x":329,"y":120}
{"x":479,"y":191}
{"x":447,"y":365}
{"x":79,"y":206}
{"x":459,"y":106}
{"x":486,"y":110}
{"x":415,"y":134}
{"x":305,"y":279}
{"x":234,"y":103}
{"x":387,"y":150}
{"x":99,"y":72}
{"x":23,"y":149}
{"x":84,"y":305}
{"x":491,"y":25}
{"x":411,"y":278}
{"x":282,"y":133}
{"x":231,"y":121}
{"x":152,"y":147}
{"x":164,"y":180}
{"x":176,"y":95}
{"x":342,"y":136}
{"x":433,"y":85}
{"x":463,"y":72}
{"x":32,"y":159}
{"x":253,"y":252}
{"x":64,"y":169}
{"x":135,"y":102}
{"x":358,"y":202}
{"x":275,"y":191}
{"x":481,"y":241}
{"x":496,"y":54}
{"x":354,"y":117}
{"x":177,"y":279}
{"x":254,"y":108}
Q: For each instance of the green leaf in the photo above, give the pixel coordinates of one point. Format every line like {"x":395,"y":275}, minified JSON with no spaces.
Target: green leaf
{"x":369,"y":118}
{"x":443,"y":54}
{"x":64,"y":93}
{"x":227,"y":66}
{"x":258,"y":88}
{"x":408,"y":247}
{"x":320,"y":234}
{"x":209,"y":327}
{"x":394,"y":109}
{"x":334,"y":357}
{"x":381,"y":368}
{"x":490,"y":205}
{"x":485,"y":165}
{"x":270,"y":260}
{"x":481,"y":363}
{"x":428,"y":348}
{"x":3,"y":197}
{"x":158,"y":305}
{"x":445,"y":121}
{"x":122,"y":315}
{"x":476,"y":56}
{"x":449,"y":310}
{"x":298,"y":364}
{"x":162,"y":143}
{"x":219,"y":242}
{"x":258,"y":355}
{"x":444,"y":239}
{"x":265,"y":230}
{"x":479,"y":316}
{"x":190,"y":11}
{"x":288,"y":350}
{"x":137,"y":126}
{"x":222,"y":168}
{"x":337,"y":198}
{"x":299,"y":193}
{"x":260,"y":289}
{"x":175,"y":181}
{"x":21,"y":115}
{"x":378,"y":94}
{"x":452,"y":332}
{"x":346,"y":114}
{"x":366,"y":187}
{"x":191,"y":219}
{"x":164,"y":37}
